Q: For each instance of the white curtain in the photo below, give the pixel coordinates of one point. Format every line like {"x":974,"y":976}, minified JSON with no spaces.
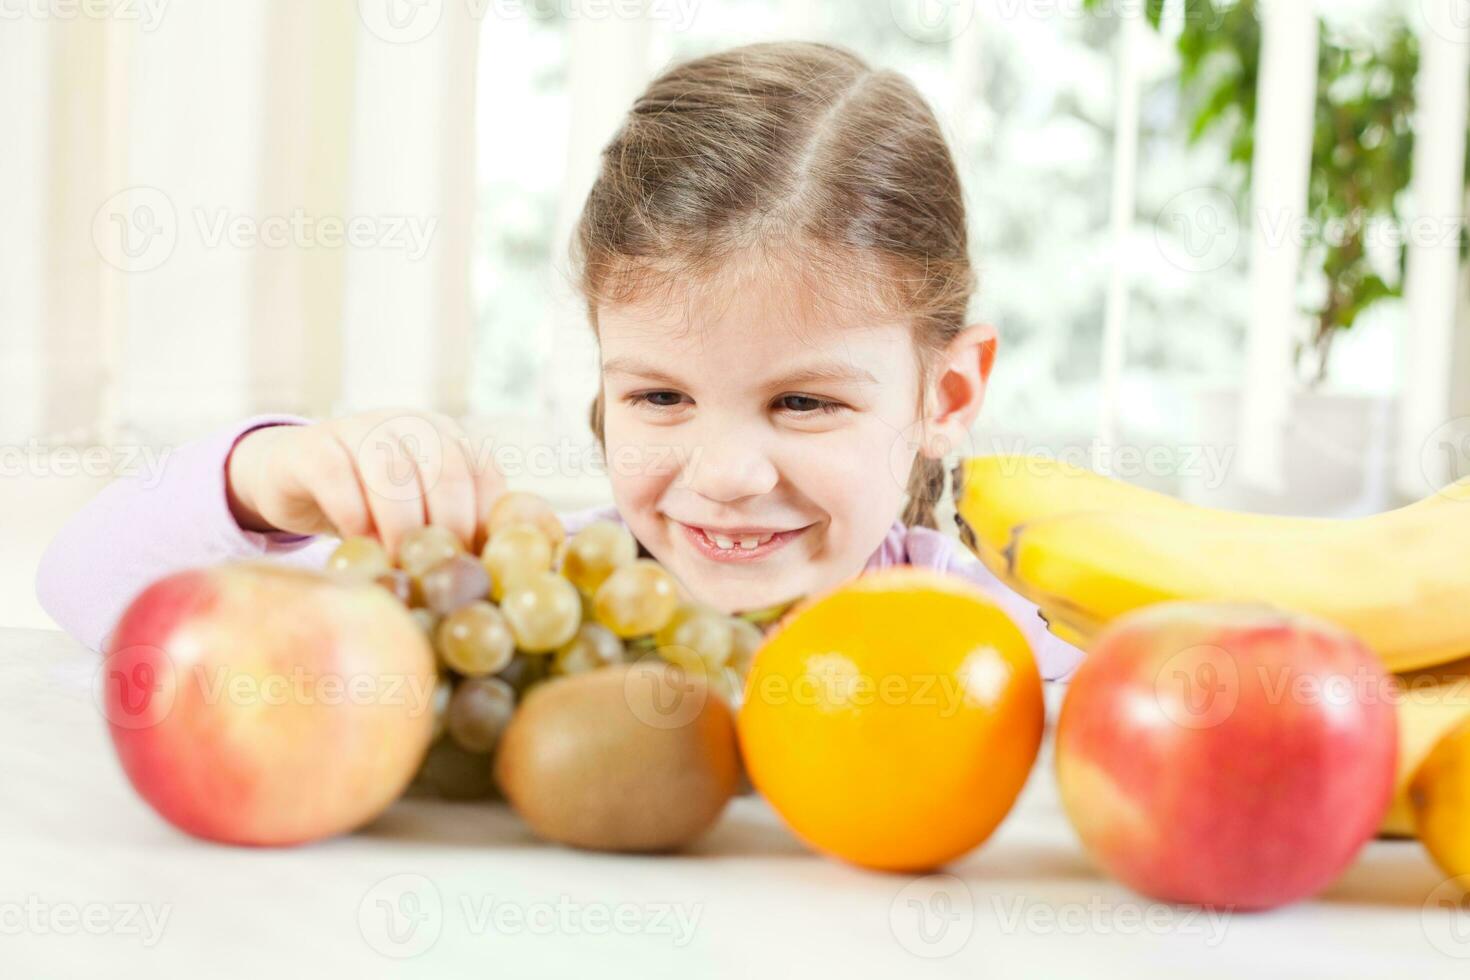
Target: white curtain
{"x":217,"y":208}
{"x":212,"y":209}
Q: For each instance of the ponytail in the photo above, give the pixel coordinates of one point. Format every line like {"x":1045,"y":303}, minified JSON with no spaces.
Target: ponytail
{"x":927,"y":483}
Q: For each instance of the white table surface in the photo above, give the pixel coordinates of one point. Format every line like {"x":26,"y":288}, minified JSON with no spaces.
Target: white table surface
{"x":92,"y":884}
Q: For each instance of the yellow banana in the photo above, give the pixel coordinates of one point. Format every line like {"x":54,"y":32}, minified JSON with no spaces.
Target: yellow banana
{"x":1086,"y":549}
{"x":1432,"y":703}
{"x":1440,"y":795}
{"x":994,"y":494}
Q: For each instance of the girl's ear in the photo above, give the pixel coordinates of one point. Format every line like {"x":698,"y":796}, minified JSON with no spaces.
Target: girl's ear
{"x":963,"y":372}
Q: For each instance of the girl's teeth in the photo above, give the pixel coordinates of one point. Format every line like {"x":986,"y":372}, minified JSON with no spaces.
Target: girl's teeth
{"x":749,"y":543}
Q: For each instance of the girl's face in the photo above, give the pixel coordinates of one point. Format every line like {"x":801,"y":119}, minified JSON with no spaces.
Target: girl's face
{"x":758,"y":443}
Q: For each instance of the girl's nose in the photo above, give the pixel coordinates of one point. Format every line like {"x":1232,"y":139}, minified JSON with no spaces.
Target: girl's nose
{"x":726,"y":470}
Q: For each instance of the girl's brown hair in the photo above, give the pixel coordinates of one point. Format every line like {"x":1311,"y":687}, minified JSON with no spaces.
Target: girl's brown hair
{"x":799,"y":149}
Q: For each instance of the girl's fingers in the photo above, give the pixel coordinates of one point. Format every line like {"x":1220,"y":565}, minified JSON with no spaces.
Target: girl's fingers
{"x":340,"y":496}
{"x":390,"y":480}
{"x":313,"y":486}
{"x":444,"y":474}
{"x":489,"y":485}
{"x":387,"y":473}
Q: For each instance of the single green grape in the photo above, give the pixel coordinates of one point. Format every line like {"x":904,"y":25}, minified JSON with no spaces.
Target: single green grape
{"x":454,"y":582}
{"x":696,"y":637}
{"x":479,"y":710}
{"x":515,"y":552}
{"x":728,"y":684}
{"x":746,"y":638}
{"x":594,"y":646}
{"x":424,"y":547}
{"x":475,"y":640}
{"x":636,"y":598}
{"x":455,"y":773}
{"x":543,"y":610}
{"x":518,"y":507}
{"x":359,"y":557}
{"x":594,"y":552}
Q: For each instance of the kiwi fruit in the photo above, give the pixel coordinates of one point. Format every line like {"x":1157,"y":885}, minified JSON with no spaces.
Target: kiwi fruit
{"x":639,"y":758}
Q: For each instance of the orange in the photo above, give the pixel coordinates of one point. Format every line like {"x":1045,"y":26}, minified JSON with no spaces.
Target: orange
{"x":893,"y":722}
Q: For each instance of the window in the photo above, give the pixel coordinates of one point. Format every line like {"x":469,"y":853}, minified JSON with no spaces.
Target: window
{"x":1028,"y":103}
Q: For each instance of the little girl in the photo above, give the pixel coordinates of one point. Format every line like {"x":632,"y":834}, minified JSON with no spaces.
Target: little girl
{"x":775,"y":265}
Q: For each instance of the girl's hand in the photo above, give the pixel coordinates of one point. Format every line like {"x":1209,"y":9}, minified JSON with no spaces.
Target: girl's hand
{"x":379,"y":473}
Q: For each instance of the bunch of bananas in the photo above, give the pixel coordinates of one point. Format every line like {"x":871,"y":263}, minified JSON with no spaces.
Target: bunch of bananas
{"x":1087,"y":548}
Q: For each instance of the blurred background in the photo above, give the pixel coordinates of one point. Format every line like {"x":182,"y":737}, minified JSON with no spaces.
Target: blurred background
{"x":1222,"y":241}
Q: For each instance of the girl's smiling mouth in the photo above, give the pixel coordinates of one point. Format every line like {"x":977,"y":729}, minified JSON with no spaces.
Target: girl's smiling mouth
{"x":737,"y":544}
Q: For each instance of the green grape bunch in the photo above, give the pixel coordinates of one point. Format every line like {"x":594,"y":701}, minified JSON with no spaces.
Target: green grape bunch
{"x":534,"y":606}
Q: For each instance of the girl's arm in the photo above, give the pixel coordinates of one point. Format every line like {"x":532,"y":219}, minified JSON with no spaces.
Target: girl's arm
{"x":140,"y":528}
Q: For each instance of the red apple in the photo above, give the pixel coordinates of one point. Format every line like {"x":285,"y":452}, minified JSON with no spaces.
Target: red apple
{"x":253,"y":703}
{"x":1226,"y":754}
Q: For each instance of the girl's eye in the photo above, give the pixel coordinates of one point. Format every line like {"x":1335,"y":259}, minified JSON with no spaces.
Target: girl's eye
{"x":807,"y":405}
{"x":659,"y":399}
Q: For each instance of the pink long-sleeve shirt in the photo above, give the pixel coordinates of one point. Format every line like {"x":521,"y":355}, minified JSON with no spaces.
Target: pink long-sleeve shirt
{"x":139,"y":529}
